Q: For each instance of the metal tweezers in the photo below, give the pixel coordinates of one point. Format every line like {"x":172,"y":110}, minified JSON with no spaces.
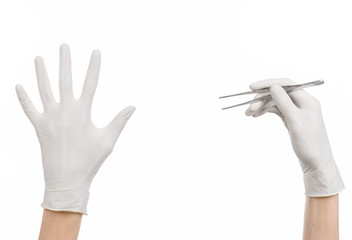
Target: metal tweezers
{"x":287,"y":88}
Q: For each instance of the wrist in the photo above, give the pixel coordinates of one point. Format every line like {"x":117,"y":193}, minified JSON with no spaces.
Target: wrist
{"x":69,"y":200}
{"x":323,"y":181}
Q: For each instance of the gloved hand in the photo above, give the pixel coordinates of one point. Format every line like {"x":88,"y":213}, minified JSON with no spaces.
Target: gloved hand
{"x":301,"y":114}
{"x":72,"y":148}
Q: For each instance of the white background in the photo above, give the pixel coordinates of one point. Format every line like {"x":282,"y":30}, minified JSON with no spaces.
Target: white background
{"x":182,"y":169}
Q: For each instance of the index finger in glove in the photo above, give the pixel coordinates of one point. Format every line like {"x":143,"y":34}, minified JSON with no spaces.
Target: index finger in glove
{"x":91,"y":81}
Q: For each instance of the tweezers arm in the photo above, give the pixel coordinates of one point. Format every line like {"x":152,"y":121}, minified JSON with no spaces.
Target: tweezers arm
{"x":263,"y":90}
{"x":290,"y":88}
{"x":266,"y":97}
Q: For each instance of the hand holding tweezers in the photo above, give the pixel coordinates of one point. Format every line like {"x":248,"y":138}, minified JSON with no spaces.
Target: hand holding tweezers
{"x":287,"y":88}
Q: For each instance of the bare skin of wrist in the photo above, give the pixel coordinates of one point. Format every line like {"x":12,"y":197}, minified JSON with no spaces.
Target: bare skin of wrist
{"x":321,"y":219}
{"x":60,"y":225}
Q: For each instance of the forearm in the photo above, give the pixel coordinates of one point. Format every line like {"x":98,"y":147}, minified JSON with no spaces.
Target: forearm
{"x":321,"y":219}
{"x":60,"y":225}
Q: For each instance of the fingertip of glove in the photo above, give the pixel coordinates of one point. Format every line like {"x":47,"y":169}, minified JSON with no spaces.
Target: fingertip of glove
{"x":256,"y":85}
{"x":248,"y":112}
{"x":64,"y":46}
{"x":257,"y":115}
{"x":132,"y":109}
{"x":38,"y":59}
{"x":128,"y":111}
{"x":96,"y":53}
{"x":19,"y":89}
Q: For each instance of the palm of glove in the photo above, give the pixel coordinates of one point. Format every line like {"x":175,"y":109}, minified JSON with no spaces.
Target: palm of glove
{"x":72,"y":147}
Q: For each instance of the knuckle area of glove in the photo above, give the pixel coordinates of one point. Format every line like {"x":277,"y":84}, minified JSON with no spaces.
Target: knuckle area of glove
{"x":315,"y":103}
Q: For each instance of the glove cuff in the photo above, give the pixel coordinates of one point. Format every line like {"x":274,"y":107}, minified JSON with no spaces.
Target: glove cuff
{"x":325,"y":181}
{"x":68,"y":200}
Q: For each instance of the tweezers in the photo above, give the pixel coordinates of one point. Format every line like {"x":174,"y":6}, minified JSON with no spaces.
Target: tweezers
{"x":287,"y":88}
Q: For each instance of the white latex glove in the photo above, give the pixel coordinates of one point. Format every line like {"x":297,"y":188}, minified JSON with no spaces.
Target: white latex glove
{"x":72,"y":148}
{"x":301,"y":114}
